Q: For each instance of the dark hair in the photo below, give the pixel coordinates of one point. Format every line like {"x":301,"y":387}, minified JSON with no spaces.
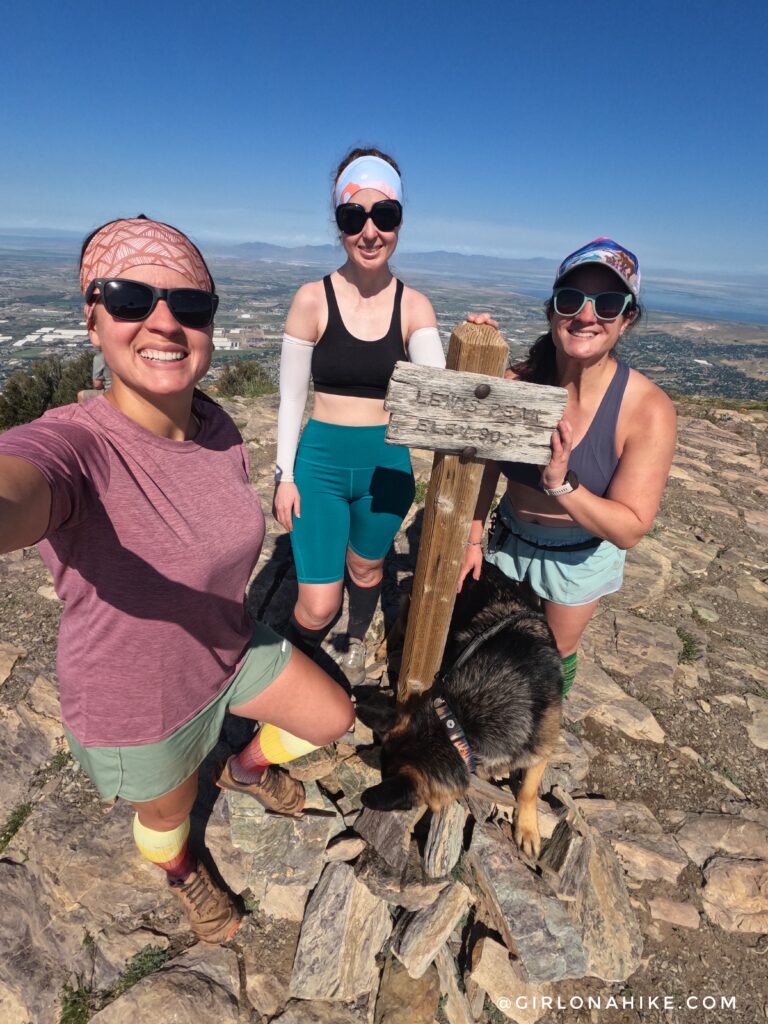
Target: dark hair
{"x":540,"y":365}
{"x":353,"y":154}
{"x":143,"y":216}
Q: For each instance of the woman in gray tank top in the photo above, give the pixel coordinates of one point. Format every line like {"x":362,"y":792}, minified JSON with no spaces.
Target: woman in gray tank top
{"x":564,"y":529}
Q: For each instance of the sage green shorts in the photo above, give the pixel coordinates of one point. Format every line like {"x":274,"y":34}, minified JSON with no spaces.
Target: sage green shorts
{"x":150,"y":770}
{"x":535,"y":554}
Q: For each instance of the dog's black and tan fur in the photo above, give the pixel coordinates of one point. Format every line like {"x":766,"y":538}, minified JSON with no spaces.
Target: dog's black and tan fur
{"x":507,"y":697}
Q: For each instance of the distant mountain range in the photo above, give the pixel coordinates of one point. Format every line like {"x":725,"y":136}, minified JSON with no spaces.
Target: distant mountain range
{"x":707,"y":295}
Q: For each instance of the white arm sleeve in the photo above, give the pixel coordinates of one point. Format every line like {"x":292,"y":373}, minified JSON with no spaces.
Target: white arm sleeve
{"x":295,"y":369}
{"x":425,"y":348}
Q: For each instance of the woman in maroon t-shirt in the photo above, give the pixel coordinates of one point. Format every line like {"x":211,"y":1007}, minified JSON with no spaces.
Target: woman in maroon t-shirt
{"x":135,"y":498}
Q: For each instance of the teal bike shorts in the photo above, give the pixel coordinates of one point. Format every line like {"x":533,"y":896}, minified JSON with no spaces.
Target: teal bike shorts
{"x":565,"y":565}
{"x":355,"y":491}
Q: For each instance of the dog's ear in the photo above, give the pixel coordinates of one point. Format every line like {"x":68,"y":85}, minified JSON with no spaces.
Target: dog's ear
{"x":397,"y":793}
{"x":379,"y":717}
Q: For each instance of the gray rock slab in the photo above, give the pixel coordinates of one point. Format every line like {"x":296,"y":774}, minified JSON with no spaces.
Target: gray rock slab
{"x":656,"y":858}
{"x":568,"y":765}
{"x":344,"y":928}
{"x":702,"y":835}
{"x":533,"y":923}
{"x":405,"y":1000}
{"x":202,"y":984}
{"x":283,"y":851}
{"x":616,"y":817}
{"x":735,"y":894}
{"x":445,"y":840}
{"x":425,"y":933}
{"x":389,"y":833}
{"x":300,"y":1011}
{"x":505,"y":984}
{"x":409,"y":888}
{"x":757,"y":729}
{"x":456,"y":1005}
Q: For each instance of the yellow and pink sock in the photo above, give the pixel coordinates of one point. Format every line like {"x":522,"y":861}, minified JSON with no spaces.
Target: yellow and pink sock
{"x":270,"y":745}
{"x":168,"y":850}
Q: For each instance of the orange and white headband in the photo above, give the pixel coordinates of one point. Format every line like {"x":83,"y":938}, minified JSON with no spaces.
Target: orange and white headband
{"x":368,"y":172}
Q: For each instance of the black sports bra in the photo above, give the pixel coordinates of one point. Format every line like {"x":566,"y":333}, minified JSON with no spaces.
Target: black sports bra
{"x":345,"y":365}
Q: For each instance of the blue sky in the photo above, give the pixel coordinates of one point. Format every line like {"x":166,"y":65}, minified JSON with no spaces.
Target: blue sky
{"x":523,"y":128}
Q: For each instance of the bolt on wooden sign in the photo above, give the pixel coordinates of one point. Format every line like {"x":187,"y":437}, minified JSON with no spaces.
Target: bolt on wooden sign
{"x":471,"y":414}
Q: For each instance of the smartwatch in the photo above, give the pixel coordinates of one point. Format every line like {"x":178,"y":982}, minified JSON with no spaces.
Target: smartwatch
{"x":570,"y":483}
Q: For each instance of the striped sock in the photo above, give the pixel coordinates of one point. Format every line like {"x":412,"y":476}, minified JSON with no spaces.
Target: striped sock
{"x":569,"y":672}
{"x":168,"y":850}
{"x":269,"y":746}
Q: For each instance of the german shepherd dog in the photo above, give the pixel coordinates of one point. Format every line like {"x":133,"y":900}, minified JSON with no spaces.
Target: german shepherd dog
{"x":501,"y":683}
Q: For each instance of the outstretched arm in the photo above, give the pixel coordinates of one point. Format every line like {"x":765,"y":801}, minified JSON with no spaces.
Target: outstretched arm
{"x":25,"y":504}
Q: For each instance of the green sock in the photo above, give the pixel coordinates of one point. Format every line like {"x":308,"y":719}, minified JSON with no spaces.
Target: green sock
{"x":569,"y":672}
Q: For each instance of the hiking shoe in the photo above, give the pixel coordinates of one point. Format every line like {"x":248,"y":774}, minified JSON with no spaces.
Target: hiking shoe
{"x":353,"y":661}
{"x":275,"y":790}
{"x":212,"y":913}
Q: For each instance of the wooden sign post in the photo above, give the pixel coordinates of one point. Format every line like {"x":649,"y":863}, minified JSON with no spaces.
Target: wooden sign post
{"x":464,"y":417}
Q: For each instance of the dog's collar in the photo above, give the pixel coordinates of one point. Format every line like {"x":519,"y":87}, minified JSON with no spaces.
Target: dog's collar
{"x":455,"y":732}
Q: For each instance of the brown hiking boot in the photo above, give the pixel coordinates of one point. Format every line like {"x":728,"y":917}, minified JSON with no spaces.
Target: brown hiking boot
{"x":211,"y":911}
{"x":275,"y":790}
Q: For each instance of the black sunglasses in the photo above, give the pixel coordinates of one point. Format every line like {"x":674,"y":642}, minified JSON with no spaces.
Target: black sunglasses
{"x":134,"y":301}
{"x":607,"y":305}
{"x":387,"y":214}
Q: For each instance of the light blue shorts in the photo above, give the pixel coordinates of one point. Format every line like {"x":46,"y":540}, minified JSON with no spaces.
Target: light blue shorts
{"x":534,"y":554}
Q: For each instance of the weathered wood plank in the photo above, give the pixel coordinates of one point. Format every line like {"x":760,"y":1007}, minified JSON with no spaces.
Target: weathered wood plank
{"x":452,"y":410}
{"x":448,"y":510}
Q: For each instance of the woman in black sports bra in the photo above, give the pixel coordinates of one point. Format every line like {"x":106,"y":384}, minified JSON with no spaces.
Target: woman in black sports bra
{"x":342,"y":493}
{"x":564,"y":529}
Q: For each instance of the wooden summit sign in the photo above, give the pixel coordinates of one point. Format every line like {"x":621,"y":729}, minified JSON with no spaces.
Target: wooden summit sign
{"x":465,"y":414}
{"x":456,"y":411}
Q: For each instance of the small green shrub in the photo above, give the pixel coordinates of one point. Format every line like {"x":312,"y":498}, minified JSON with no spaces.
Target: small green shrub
{"x":690,"y":651}
{"x":76,"y":1003}
{"x":15,"y":820}
{"x":49,"y":383}
{"x":245,"y":379}
{"x":146,"y":961}
{"x":655,"y":531}
{"x":421,"y":491}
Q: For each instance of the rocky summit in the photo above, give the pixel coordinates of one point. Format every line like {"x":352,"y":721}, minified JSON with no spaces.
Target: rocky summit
{"x":649,"y":901}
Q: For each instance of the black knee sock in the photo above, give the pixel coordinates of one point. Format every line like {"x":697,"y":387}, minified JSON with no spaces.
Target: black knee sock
{"x":307,"y":640}
{"x":362,"y":605}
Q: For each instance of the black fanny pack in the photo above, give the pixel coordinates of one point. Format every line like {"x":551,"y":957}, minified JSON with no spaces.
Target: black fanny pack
{"x":499,"y":533}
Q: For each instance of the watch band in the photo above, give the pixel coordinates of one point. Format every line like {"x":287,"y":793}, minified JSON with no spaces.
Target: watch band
{"x":570,"y":484}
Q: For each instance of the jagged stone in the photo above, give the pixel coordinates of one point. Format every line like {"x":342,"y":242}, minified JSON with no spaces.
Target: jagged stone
{"x":344,"y":848}
{"x":645,"y":652}
{"x":563,"y":862}
{"x":616,"y":817}
{"x":735,"y":894}
{"x":344,"y":928}
{"x":655,"y":858}
{"x":480,"y":809}
{"x":610,"y":934}
{"x":9,"y":655}
{"x":313,"y":766}
{"x":285,"y":902}
{"x":593,"y":688}
{"x":305,"y":1012}
{"x":702,"y":835}
{"x":445,"y":840}
{"x":757,"y":730}
{"x":630,"y":717}
{"x":268,"y":949}
{"x":681,"y":915}
{"x":389,"y":833}
{"x":283,"y":851}
{"x":568,"y":765}
{"x":406,"y":1000}
{"x":505,"y":984}
{"x":204,"y":980}
{"x":425,"y":932}
{"x":355,"y":776}
{"x":533,"y":924}
{"x":409,"y":888}
{"x":456,"y":1007}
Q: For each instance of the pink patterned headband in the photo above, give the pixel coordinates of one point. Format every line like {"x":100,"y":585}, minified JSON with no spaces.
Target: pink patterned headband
{"x":139,"y":242}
